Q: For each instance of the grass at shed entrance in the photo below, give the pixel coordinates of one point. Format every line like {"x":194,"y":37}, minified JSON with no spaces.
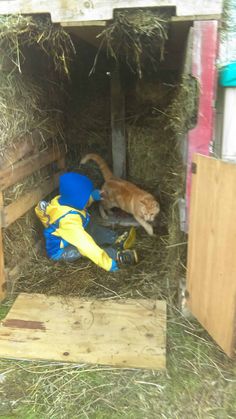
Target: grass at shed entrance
{"x":200,"y":382}
{"x":4,"y":308}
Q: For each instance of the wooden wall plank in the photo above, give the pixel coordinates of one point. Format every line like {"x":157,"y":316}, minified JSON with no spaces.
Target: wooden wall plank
{"x":124,"y":333}
{"x":18,"y":171}
{"x":24,"y":146}
{"x":18,"y":208}
{"x":211,"y":269}
{"x":13,"y":153}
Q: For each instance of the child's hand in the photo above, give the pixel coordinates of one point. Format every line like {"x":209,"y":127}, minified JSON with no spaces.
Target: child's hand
{"x":96,"y":195}
{"x":103,"y":194}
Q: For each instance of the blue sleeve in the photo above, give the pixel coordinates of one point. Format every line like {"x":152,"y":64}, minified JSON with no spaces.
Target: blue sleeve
{"x":114,"y":266}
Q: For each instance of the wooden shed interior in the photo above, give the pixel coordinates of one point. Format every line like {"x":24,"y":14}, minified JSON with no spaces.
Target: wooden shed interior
{"x":103,"y":102}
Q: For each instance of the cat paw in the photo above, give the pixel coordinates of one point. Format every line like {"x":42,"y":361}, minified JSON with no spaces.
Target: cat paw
{"x":149,"y":230}
{"x":103,"y":212}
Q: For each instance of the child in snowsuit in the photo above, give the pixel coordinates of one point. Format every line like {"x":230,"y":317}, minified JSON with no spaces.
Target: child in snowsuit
{"x":70,"y":233}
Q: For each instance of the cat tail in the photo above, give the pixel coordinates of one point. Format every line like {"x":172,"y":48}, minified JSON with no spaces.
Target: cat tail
{"x":107,"y":173}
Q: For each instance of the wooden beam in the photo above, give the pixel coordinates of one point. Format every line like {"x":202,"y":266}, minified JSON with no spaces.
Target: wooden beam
{"x":89,"y":23}
{"x":2,"y":270}
{"x":193,"y":18}
{"x":13,"y":153}
{"x":25,"y":145}
{"x":99,"y":10}
{"x":118,"y":125}
{"x":20,"y":170}
{"x":18,"y":208}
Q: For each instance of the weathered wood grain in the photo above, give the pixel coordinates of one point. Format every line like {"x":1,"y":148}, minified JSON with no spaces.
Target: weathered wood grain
{"x":211,"y":272}
{"x":18,"y":171}
{"x":123,"y":333}
{"x":99,"y":10}
{"x":19,"y":207}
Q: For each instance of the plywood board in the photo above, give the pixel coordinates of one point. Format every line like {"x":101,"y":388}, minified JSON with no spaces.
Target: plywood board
{"x":123,"y":333}
{"x":211,"y":278}
{"x":99,"y":10}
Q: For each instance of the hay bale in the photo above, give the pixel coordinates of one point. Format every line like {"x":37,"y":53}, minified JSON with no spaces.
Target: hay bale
{"x":147,"y":154}
{"x":21,"y":113}
{"x":155,"y":162}
{"x":182,"y":111}
{"x":27,"y":103}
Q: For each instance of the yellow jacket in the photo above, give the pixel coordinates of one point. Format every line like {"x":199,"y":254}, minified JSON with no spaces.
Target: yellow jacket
{"x":65,"y":225}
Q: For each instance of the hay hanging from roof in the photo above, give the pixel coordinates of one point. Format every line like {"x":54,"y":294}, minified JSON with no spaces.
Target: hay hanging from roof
{"x":18,"y":31}
{"x":135,"y":37}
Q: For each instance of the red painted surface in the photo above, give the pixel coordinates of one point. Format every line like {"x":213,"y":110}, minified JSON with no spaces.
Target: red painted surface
{"x":205,"y":47}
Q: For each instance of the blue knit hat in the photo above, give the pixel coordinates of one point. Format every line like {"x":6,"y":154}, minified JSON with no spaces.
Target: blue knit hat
{"x":75,"y":190}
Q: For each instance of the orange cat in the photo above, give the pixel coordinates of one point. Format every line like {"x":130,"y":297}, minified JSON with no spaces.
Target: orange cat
{"x":125,"y":195}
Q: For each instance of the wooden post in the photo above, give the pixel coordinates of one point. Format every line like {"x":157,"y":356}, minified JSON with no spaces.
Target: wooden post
{"x":118,"y":125}
{"x":2,"y":271}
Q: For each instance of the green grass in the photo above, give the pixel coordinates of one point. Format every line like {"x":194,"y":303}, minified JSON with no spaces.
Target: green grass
{"x":4,"y":308}
{"x":200,"y":382}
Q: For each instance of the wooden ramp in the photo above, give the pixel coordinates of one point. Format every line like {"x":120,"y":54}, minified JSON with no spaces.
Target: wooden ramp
{"x":122,"y":333}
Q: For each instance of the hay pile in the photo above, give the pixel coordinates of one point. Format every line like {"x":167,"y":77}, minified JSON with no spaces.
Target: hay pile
{"x":84,"y":278}
{"x":31,"y":46}
{"x":34,"y":70}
